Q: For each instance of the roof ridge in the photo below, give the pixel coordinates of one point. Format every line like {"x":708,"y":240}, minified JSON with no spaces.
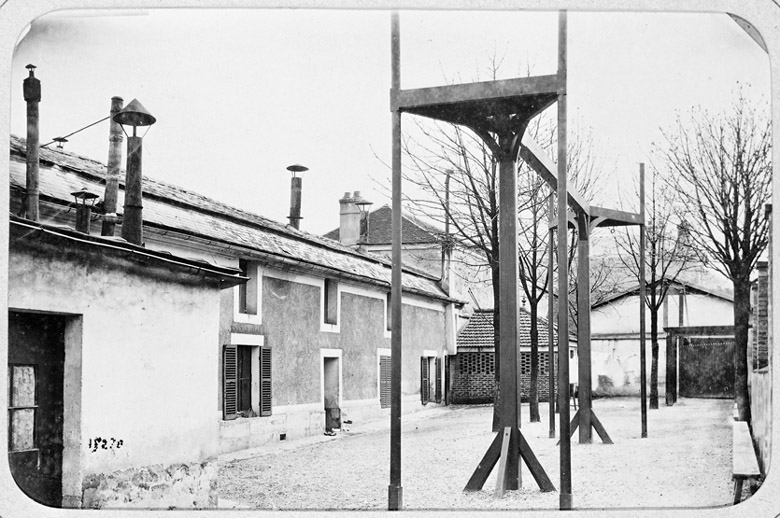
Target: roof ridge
{"x":251,"y":218}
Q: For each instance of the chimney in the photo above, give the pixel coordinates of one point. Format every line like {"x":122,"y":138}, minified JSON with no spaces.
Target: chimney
{"x":112,"y":171}
{"x":349,"y":222}
{"x":32,"y":95}
{"x":296,"y":190}
{"x":135,"y":115}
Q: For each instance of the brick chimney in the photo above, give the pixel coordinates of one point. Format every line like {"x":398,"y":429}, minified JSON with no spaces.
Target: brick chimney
{"x":349,"y":222}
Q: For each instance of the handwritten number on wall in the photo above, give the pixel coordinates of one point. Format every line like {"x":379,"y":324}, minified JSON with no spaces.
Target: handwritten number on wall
{"x":99,"y":443}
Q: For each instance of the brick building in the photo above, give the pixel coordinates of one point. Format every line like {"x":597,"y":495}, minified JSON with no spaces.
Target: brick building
{"x":471,"y":372}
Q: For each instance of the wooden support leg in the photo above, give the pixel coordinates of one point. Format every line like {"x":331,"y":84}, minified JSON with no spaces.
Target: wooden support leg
{"x":502,"y":463}
{"x":534,"y":466}
{"x":485,"y":466}
{"x":737,"y":490}
{"x":575,"y":422}
{"x":600,"y":429}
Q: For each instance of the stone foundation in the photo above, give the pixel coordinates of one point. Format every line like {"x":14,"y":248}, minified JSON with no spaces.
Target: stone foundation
{"x":176,"y":486}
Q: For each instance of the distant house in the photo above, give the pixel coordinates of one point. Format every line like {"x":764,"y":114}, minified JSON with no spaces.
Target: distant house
{"x":111,"y":364}
{"x":301,"y":346}
{"x":471,"y":372}
{"x":422,"y":248}
{"x":706,"y":299}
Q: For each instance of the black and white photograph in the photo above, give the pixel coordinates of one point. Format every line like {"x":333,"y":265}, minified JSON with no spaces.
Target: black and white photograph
{"x":340,"y":258}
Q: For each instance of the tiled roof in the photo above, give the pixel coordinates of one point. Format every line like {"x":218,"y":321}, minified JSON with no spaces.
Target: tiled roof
{"x":479,"y":330}
{"x":167,"y":206}
{"x":380,"y":227}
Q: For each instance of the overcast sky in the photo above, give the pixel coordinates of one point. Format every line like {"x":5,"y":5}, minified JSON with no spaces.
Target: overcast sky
{"x":241,"y":94}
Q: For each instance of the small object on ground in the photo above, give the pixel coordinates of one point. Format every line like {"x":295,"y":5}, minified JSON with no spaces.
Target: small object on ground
{"x":347,"y":421}
{"x":330,"y":433}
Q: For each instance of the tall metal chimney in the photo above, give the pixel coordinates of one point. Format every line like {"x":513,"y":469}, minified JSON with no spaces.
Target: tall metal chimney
{"x":115,"y":138}
{"x":296,"y":188}
{"x":32,"y":95}
{"x":134,"y":114}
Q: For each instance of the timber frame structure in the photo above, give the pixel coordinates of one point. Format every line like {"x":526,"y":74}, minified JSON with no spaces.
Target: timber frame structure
{"x":499,"y":113}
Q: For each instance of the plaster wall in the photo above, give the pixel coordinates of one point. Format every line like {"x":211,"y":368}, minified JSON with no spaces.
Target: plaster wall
{"x":622,"y":315}
{"x":616,"y":366}
{"x":292,"y":327}
{"x":147,"y":355}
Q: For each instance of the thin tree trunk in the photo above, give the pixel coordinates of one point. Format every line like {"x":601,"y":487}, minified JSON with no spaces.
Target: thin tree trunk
{"x":741,"y":320}
{"x":496,"y":426}
{"x":654,"y":362}
{"x":533,"y":392}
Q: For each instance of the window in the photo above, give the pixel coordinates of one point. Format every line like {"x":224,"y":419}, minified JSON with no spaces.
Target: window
{"x":22,"y":408}
{"x":385,"y":372}
{"x":389,"y":310}
{"x":430,"y":379}
{"x":247,"y":301}
{"x":246,"y":381}
{"x":331,"y":301}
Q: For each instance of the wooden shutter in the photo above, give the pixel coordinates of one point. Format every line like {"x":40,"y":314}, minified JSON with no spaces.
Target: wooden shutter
{"x":385,"y":369}
{"x":229,"y":381}
{"x":265,"y":381}
{"x":424,"y":387}
{"x":438,"y":380}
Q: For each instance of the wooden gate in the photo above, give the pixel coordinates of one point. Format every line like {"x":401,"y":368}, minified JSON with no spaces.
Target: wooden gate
{"x":707,"y":367}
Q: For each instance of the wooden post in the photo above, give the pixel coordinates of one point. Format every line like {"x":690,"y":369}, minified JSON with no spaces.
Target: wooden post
{"x":583,"y":329}
{"x":550,"y":343}
{"x":31,"y":87}
{"x":115,"y":138}
{"x":566,"y":500}
{"x":395,"y":490}
{"x":642,"y":305}
{"x":509,"y":282}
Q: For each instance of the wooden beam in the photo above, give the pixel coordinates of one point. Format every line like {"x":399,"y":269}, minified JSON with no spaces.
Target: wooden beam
{"x":535,"y":156}
{"x":534,"y":466}
{"x":502,"y":463}
{"x":616,"y":217}
{"x":480,"y":91}
{"x":485,"y":466}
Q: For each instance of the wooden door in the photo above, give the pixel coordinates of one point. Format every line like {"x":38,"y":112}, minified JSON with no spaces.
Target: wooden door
{"x":36,"y":357}
{"x":707,"y":368}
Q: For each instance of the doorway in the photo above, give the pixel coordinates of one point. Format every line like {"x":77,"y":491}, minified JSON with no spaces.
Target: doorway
{"x":331,"y":392}
{"x":36,"y":360}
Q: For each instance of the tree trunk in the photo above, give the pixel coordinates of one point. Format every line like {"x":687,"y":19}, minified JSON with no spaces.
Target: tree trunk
{"x":533,"y":391}
{"x":741,"y":320}
{"x":654,"y":362}
{"x":496,"y":426}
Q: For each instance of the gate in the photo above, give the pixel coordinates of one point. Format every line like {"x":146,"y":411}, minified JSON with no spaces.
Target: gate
{"x":707,"y":368}
{"x":700,"y":362}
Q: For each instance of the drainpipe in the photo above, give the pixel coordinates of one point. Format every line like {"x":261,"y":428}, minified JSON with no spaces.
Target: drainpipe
{"x":112,"y":171}
{"x":32,"y":95}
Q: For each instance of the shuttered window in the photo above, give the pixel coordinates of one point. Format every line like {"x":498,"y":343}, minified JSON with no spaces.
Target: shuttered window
{"x":425,"y":394}
{"x":438,"y":380}
{"x":385,"y":369}
{"x":230,"y":381}
{"x":265,"y":381}
{"x":237,"y":381}
{"x":331,"y":301}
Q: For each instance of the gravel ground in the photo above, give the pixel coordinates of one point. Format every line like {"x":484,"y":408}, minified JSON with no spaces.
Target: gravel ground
{"x":684,"y":462}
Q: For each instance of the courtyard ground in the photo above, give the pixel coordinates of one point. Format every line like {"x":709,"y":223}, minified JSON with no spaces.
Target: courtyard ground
{"x":684,"y":462}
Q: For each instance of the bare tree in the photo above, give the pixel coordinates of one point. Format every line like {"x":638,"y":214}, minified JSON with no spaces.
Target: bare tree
{"x":721,"y":167}
{"x":667,"y":255}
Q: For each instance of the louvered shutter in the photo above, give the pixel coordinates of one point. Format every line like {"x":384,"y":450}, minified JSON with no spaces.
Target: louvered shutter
{"x":424,"y":389}
{"x":385,"y":369}
{"x":265,"y":381}
{"x":438,"y":380}
{"x":229,"y":381}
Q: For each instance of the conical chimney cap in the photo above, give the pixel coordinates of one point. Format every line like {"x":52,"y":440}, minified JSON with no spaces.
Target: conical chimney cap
{"x":134,"y":114}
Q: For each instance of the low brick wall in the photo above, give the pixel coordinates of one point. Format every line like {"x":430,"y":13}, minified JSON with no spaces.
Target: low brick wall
{"x":177,"y":486}
{"x":473,"y":377}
